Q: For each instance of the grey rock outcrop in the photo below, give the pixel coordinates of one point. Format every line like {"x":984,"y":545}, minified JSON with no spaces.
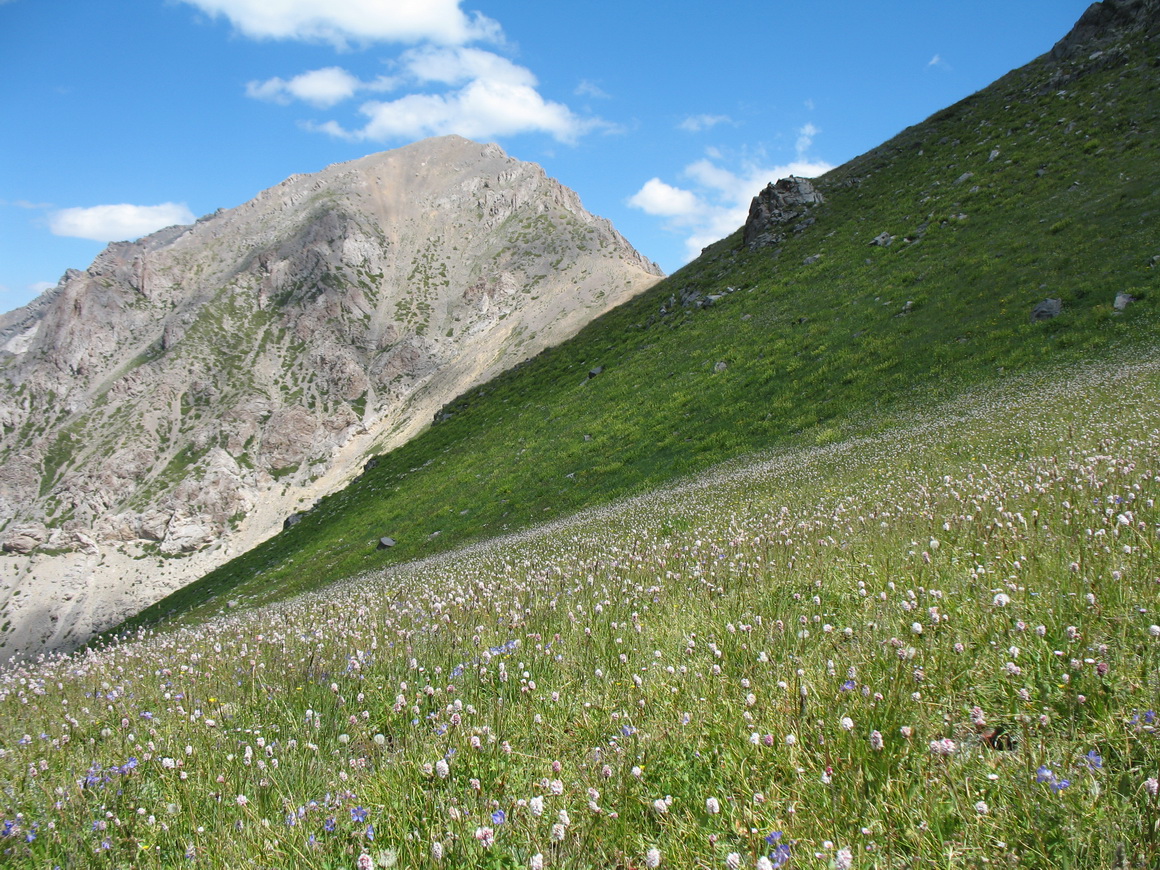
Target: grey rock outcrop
{"x":1105,"y":23}
{"x":1046,"y":310}
{"x":777,"y":207}
{"x":186,"y":392}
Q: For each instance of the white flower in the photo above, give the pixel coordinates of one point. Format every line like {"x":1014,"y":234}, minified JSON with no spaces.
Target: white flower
{"x":712,"y":807}
{"x":733,"y":861}
{"x":763,"y":863}
{"x":536,"y":805}
{"x":652,"y":858}
{"x":660,"y":806}
{"x":1001,"y":599}
{"x":537,"y":862}
{"x":981,"y":808}
{"x":790,"y":740}
{"x":442,"y":768}
{"x":847,"y":723}
{"x":844,"y":860}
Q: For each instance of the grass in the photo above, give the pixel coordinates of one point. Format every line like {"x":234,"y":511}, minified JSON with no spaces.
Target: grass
{"x":812,"y":354}
{"x":892,"y":650}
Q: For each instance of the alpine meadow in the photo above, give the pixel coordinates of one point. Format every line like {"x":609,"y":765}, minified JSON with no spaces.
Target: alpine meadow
{"x":834,"y":549}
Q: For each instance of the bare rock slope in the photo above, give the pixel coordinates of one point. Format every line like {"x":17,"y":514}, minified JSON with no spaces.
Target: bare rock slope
{"x":169,"y":407}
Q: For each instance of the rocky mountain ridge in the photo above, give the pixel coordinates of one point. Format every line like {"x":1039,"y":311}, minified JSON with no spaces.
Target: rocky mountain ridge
{"x":171,"y":404}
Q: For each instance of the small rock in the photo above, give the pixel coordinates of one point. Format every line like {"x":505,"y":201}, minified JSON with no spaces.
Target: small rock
{"x":1040,"y":172}
{"x":810,"y":260}
{"x":882,"y":240}
{"x":966,"y":176}
{"x":1046,"y":310}
{"x":25,"y":539}
{"x":291,"y":521}
{"x":993,"y":156}
{"x":1123,"y":300}
{"x":746,"y":316}
{"x":385,"y":543}
{"x":721,"y":366}
{"x":595,"y":371}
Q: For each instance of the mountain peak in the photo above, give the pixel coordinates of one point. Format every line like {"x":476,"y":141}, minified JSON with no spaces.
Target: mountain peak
{"x":173,"y":403}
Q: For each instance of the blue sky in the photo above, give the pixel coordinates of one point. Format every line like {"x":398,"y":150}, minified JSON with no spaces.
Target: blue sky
{"x":666,"y":117}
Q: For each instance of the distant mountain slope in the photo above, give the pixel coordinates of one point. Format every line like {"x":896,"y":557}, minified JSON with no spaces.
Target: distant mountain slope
{"x":177,"y":401}
{"x":934,"y":264}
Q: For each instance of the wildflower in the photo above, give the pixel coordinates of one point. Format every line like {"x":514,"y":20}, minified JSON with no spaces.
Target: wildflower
{"x":981,"y":808}
{"x":486,"y":836}
{"x":847,"y":723}
{"x":537,"y":862}
{"x":790,"y":740}
{"x":1152,"y":786}
{"x":876,"y":741}
{"x":358,"y":815}
{"x":536,"y":805}
{"x":365,"y":862}
{"x":442,"y":768}
{"x":733,"y":861}
{"x":712,"y":807}
{"x":1001,"y":599}
{"x":944,"y":747}
{"x":558,"y":832}
{"x":437,"y":851}
{"x":844,"y":860}
{"x":652,"y":858}
{"x":498,"y":817}
{"x":1093,"y":760}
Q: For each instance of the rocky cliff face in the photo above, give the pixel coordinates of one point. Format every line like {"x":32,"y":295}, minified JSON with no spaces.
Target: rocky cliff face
{"x":168,"y":407}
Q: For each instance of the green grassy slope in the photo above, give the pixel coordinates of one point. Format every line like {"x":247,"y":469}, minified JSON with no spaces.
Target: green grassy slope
{"x":857,"y":340}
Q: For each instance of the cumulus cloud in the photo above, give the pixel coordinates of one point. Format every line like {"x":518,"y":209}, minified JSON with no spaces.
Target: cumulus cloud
{"x":342,"y":22}
{"x":716,"y":202}
{"x":486,"y":96}
{"x":697,"y":123}
{"x":109,"y":223}
{"x":664,"y":200}
{"x":321,"y":87}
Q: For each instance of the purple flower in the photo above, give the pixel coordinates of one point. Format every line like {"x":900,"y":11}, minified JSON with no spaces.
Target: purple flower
{"x":1093,"y":760}
{"x":498,"y":817}
{"x":358,"y":815}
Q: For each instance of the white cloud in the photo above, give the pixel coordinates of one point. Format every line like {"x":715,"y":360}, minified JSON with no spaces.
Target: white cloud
{"x":455,"y":66}
{"x":108,"y":223}
{"x":341,"y":22}
{"x":938,"y":61}
{"x":806,"y":138}
{"x":664,"y":200}
{"x":697,"y":123}
{"x":321,"y":87}
{"x":490,"y":96}
{"x":717,"y":201}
